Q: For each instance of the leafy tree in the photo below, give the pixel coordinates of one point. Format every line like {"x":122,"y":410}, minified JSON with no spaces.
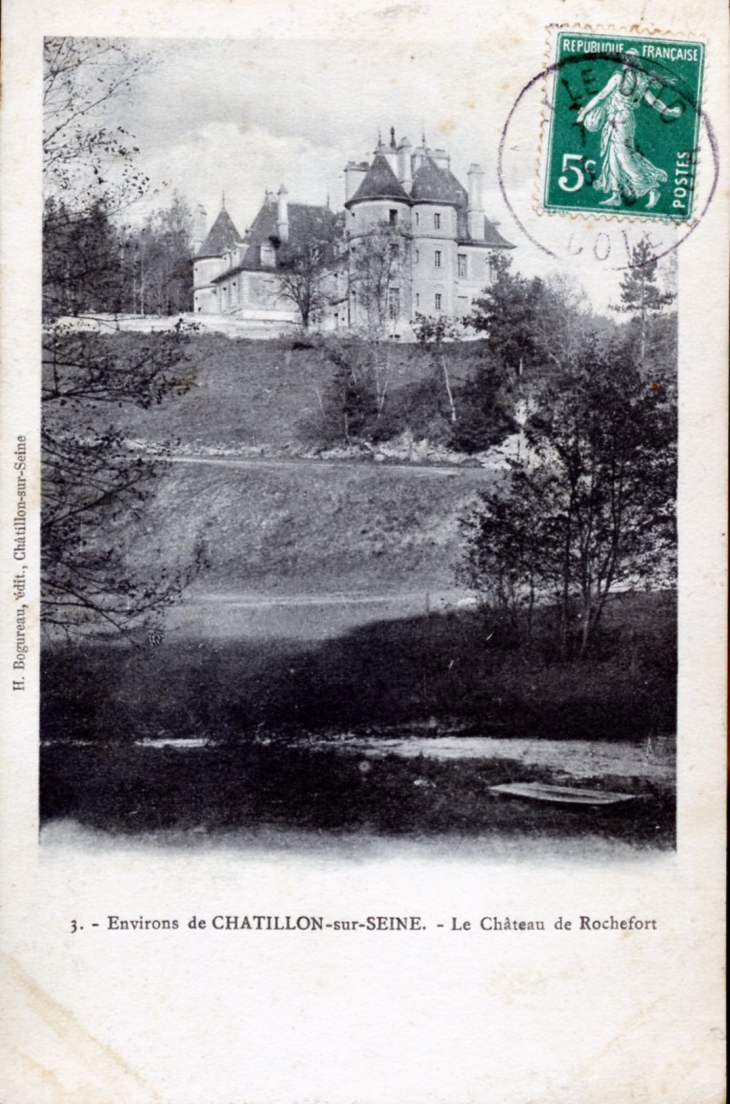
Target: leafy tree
{"x":349,"y":407}
{"x":486,"y":409}
{"x":641,"y":296}
{"x":508,"y":313}
{"x":308,"y":273}
{"x":591,"y":509}
{"x":536,"y":333}
{"x":534,"y":328}
{"x":480,"y":409}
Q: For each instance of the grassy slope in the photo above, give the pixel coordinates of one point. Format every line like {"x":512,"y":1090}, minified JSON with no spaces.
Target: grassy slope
{"x":257,"y":393}
{"x":311,"y":527}
{"x":301,"y":529}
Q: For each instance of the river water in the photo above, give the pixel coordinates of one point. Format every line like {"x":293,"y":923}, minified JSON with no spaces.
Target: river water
{"x":653,"y":759}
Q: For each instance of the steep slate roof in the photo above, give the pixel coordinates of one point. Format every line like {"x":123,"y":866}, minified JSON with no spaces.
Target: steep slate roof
{"x":221,"y":236}
{"x":493,"y":237}
{"x":380,"y":183}
{"x":430,"y":183}
{"x":307,"y":222}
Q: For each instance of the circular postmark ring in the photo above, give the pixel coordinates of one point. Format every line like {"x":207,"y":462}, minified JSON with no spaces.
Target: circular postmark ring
{"x":692,"y":223}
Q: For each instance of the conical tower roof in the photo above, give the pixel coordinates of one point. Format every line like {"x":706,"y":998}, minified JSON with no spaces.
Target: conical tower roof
{"x":380,"y":183}
{"x":221,"y":236}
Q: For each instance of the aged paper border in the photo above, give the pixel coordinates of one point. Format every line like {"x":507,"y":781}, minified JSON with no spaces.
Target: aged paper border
{"x":371,"y":1020}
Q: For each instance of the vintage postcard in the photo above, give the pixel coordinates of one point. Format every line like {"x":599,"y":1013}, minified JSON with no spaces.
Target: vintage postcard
{"x":364,"y":385}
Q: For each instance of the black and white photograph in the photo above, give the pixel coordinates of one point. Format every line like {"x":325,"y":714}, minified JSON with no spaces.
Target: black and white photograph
{"x":358,"y":512}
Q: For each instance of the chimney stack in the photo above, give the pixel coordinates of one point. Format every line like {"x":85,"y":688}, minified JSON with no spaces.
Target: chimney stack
{"x":199,"y":224}
{"x":405,"y":174}
{"x":282,"y":225}
{"x":475,"y":211}
{"x":419,"y":155}
{"x":355,"y":172}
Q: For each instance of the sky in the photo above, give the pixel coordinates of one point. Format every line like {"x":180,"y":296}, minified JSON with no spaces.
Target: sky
{"x":236,"y":116}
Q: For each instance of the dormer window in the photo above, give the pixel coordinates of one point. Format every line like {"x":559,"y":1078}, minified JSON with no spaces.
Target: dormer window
{"x":268,"y":255}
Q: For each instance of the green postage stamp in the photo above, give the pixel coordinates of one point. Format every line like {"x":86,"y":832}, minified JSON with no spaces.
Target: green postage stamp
{"x":624,"y":124}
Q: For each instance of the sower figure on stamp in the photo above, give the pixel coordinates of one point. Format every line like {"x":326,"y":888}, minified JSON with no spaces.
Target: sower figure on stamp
{"x":625,"y":171}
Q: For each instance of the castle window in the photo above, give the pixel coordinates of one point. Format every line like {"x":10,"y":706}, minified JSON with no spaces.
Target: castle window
{"x":418,"y":300}
{"x":438,"y":302}
{"x":437,"y":222}
{"x":418,"y":219}
{"x":393,"y":217}
{"x":394,"y":303}
{"x":415,"y":256}
{"x":437,"y":259}
{"x":461,"y":258}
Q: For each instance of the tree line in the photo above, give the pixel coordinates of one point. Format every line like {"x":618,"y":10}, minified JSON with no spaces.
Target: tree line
{"x":92,"y":264}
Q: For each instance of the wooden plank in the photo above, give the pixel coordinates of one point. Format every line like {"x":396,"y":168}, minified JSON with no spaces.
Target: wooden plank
{"x":567,"y":795}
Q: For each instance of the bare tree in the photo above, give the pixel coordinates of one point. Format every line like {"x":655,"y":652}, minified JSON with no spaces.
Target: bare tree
{"x":431,"y":334}
{"x":377,"y":265}
{"x":87,"y":156}
{"x":157,"y":261}
{"x":376,"y":275}
{"x":95,"y":485}
{"x":308,"y":273}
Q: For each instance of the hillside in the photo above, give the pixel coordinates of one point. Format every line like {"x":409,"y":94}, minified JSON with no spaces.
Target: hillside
{"x":308,"y":527}
{"x":270,"y":394}
{"x":305,"y":526}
